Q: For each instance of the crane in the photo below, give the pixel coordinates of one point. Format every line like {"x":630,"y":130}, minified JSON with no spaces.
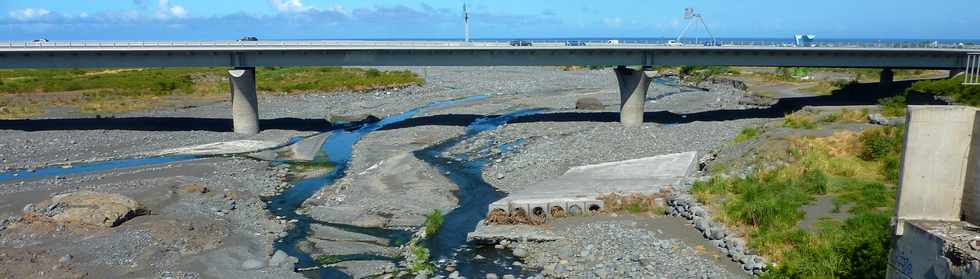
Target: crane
{"x":691,"y":17}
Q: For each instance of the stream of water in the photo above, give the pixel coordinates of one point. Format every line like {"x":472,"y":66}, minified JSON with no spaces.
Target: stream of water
{"x":337,"y":148}
{"x":449,"y":245}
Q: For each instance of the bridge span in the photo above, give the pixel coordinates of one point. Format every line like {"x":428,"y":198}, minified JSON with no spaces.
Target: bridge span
{"x":243,"y":57}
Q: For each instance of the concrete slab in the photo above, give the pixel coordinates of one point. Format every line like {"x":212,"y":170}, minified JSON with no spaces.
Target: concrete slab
{"x":218,"y":148}
{"x":577,"y":191}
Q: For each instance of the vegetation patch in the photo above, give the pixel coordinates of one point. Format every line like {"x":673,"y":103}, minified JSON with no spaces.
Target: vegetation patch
{"x":894,"y":106}
{"x":634,"y":203}
{"x":799,"y":120}
{"x":30,"y":92}
{"x":855,"y":169}
{"x":952,"y":88}
{"x":747,"y":134}
{"x":433,"y":222}
{"x":846,"y":116}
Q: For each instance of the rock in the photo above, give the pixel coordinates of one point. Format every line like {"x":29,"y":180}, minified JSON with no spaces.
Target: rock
{"x":278,"y":258}
{"x":717,"y":234}
{"x":252,"y":264}
{"x":508,"y":276}
{"x":29,"y":208}
{"x":98,"y":209}
{"x":454,"y":275}
{"x":193,"y":189}
{"x":66,"y":259}
{"x":520,"y":252}
{"x":357,"y":118}
{"x":877,"y":118}
{"x":491,"y":276}
{"x":589,"y":103}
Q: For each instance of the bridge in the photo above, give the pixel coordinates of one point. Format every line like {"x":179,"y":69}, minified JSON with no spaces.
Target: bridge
{"x":243,"y":57}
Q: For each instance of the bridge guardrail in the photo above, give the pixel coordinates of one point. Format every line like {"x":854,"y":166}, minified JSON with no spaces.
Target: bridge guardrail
{"x":502,"y":43}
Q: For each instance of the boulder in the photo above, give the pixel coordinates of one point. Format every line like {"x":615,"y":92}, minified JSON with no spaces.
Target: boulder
{"x":93,"y":208}
{"x":589,"y":103}
{"x":879,"y":119}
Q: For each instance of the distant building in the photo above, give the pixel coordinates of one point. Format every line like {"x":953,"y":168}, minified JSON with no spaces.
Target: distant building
{"x":805,"y":40}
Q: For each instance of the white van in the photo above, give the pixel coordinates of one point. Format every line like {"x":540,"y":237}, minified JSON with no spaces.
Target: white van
{"x":613,"y":42}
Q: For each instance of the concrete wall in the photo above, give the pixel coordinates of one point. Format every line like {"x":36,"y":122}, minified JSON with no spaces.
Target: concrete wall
{"x":971,"y":191}
{"x":934,"y":162}
{"x":927,"y":252}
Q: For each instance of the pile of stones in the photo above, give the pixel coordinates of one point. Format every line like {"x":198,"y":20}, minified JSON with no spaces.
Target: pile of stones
{"x":685,"y":206}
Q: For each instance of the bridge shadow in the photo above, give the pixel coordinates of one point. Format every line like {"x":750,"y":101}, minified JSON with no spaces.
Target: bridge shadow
{"x":857,"y":94}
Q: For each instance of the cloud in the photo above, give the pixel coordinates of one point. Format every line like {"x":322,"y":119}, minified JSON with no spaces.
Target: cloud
{"x":28,"y":14}
{"x":289,"y":6}
{"x":165,"y":10}
{"x":167,"y":20}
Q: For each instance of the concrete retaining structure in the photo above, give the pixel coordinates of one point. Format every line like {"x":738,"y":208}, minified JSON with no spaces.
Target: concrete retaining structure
{"x":577,"y":192}
{"x":938,"y":196}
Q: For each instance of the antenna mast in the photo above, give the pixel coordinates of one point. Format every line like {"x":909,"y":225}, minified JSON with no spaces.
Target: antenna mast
{"x":466,"y":23}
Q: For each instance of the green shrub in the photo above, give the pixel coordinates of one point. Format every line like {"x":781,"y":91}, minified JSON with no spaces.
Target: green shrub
{"x":879,"y":143}
{"x":893,"y":106}
{"x":433,"y":222}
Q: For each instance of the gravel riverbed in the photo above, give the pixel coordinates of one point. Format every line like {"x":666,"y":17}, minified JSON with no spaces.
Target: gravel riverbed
{"x":545,"y":145}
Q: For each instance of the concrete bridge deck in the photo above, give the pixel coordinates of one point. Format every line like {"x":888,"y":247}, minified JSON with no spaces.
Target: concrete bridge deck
{"x":244,"y":57}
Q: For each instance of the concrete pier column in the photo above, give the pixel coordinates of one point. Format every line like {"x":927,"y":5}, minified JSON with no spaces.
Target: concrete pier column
{"x":244,"y":102}
{"x":887,"y":78}
{"x":633,"y":85}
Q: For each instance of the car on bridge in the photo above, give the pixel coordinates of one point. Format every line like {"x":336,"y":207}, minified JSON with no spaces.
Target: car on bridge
{"x":574,"y":43}
{"x":674,"y":43}
{"x":248,"y":39}
{"x":521,"y":43}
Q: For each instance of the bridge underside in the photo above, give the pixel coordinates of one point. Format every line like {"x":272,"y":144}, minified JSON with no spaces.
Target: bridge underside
{"x":633,"y":84}
{"x":776,"y":57}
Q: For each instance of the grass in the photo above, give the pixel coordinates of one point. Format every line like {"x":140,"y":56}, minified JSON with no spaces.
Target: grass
{"x":419,"y":261}
{"x":894,"y":106}
{"x":747,"y":134}
{"x":853,"y":169}
{"x":26,"y":93}
{"x":799,"y":121}
{"x":433,"y":222}
{"x":846,"y":116}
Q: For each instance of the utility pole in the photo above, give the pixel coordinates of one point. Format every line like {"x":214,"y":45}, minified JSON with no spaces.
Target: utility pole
{"x":466,"y":23}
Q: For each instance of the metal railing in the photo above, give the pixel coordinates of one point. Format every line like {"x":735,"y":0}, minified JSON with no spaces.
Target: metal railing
{"x":972,"y":74}
{"x":478,"y":43}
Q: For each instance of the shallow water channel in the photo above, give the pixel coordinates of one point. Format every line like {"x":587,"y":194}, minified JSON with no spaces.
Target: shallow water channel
{"x":449,"y":245}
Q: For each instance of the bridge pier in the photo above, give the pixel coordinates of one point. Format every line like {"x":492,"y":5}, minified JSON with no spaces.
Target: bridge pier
{"x":633,"y":86}
{"x":244,"y":101}
{"x":887,"y":79}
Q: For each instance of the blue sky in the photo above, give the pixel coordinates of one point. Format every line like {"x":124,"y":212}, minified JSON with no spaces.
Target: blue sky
{"x":345,"y":19}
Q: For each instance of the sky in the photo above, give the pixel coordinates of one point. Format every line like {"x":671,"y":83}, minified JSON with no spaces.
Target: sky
{"x":442,"y":19}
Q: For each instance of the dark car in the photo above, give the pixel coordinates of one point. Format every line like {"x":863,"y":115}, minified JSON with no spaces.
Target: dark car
{"x":520,"y":43}
{"x":574,"y":43}
{"x":40,"y":41}
{"x":248,"y":39}
{"x":708,"y":44}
